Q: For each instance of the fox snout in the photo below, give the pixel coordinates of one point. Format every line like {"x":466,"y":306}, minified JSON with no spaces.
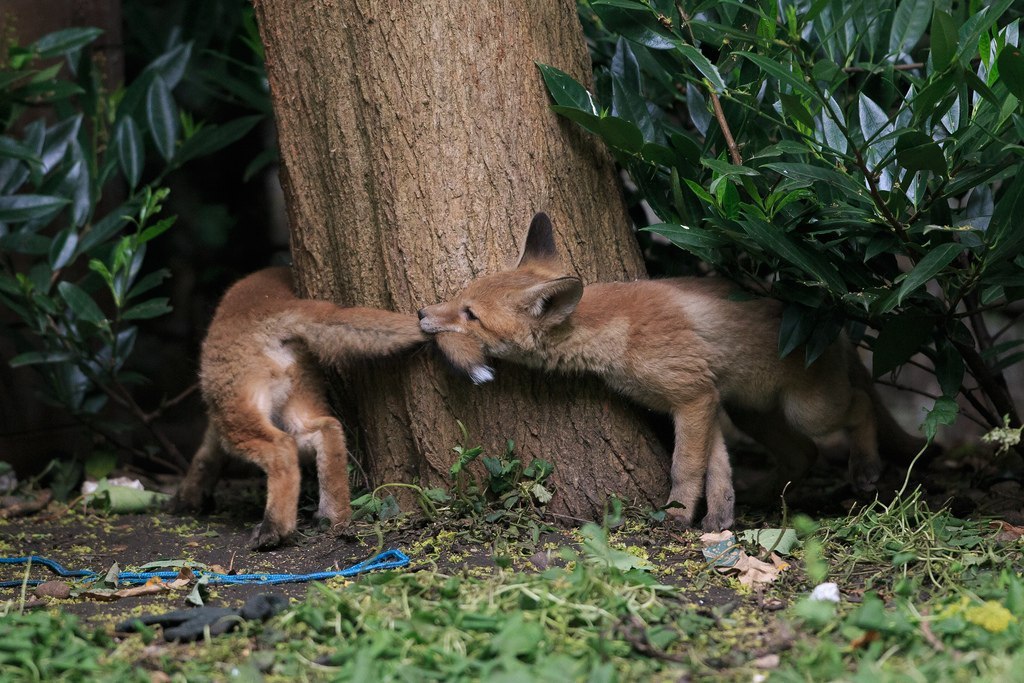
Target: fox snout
{"x":434,"y":320}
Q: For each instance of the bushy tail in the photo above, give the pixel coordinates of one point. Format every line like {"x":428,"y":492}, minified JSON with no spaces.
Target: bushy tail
{"x":336,"y":335}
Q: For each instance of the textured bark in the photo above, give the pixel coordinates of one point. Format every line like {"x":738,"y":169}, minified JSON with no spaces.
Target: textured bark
{"x":416,"y":144}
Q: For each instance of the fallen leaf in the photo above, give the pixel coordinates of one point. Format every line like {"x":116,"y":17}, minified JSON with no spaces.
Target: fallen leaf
{"x":1007,"y":531}
{"x":864,"y":640}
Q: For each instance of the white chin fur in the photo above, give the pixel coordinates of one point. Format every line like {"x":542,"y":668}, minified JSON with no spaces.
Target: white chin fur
{"x":481,"y":373}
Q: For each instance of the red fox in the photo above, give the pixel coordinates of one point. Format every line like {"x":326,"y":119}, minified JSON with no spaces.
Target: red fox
{"x":264,"y":393}
{"x":680,"y":346}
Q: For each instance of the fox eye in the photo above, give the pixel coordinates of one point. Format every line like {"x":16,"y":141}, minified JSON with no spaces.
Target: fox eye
{"x":470,"y":315}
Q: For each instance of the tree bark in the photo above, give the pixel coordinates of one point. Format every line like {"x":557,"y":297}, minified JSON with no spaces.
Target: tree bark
{"x":416,"y":145}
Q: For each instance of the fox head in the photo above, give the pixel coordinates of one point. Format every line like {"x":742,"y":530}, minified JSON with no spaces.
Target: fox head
{"x":505,"y":315}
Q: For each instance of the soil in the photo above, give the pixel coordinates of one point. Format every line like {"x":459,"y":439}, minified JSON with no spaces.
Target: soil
{"x":974,"y":486}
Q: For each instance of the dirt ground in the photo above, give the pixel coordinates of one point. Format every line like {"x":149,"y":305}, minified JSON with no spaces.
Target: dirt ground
{"x":973,"y":486}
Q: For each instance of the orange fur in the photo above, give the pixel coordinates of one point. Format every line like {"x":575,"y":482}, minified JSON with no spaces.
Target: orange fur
{"x":680,"y":346}
{"x":265,"y":394}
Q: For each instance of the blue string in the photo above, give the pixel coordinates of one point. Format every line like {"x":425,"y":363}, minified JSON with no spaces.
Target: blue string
{"x":389,"y":559}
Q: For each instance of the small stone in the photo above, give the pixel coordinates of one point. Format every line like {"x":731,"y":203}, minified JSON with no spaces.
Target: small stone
{"x":53,"y":589}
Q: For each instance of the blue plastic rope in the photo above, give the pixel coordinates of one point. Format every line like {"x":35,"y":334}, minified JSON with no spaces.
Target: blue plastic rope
{"x":389,"y":559}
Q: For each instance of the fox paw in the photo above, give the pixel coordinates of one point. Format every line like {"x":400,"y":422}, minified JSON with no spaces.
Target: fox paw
{"x":717,"y":520}
{"x":865,"y":475}
{"x":678,"y":517}
{"x":267,"y":536}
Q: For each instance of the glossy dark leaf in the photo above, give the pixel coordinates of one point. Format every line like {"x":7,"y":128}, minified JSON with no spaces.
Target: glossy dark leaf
{"x":898,"y":340}
{"x":80,"y":303}
{"x":171,"y":65}
{"x":591,"y":122}
{"x":24,"y":243}
{"x":934,"y":261}
{"x":621,"y":134}
{"x":566,"y":91}
{"x":62,"y":249}
{"x":24,"y":207}
{"x":58,"y":137}
{"x":943,"y":40}
{"x":40,"y":357}
{"x":625,"y":66}
{"x":147,"y":309}
{"x":788,"y":248}
{"x":1006,"y":232}
{"x":949,"y":368}
{"x":917,"y":152}
{"x":795,"y":109}
{"x":162,"y":117}
{"x":131,"y":150}
{"x":629,"y":105}
{"x":636,"y":22}
{"x":908,"y":25}
{"x":213,"y":138}
{"x":703,"y":65}
{"x":63,"y":42}
{"x":784,"y":74}
{"x":796,"y":327}
{"x":1011,"y":70}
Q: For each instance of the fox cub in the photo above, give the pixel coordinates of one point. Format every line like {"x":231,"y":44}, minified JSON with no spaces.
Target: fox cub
{"x":265,"y":394}
{"x":679,"y":346}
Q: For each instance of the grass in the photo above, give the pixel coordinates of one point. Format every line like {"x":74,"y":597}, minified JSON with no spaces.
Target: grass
{"x":926,"y":597}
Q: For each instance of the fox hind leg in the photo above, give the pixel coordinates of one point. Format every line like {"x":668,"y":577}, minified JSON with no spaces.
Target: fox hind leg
{"x":196,"y":490}
{"x":316,"y":430}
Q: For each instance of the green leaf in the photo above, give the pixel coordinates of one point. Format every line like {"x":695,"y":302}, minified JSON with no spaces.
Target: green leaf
{"x":783,"y":74}
{"x":210,"y":139}
{"x":621,"y":134}
{"x":629,"y":105}
{"x":916,"y":151}
{"x":944,"y":39}
{"x":62,"y":249}
{"x":908,"y":25}
{"x":24,"y":207}
{"x":781,"y":541}
{"x":795,"y":109}
{"x":949,"y":368}
{"x":63,"y":42}
{"x":12,"y":149}
{"x":943,"y":412}
{"x":636,"y":21}
{"x":625,"y":67}
{"x":898,"y":340}
{"x":686,"y":237}
{"x":1011,"y":70}
{"x":791,"y":250}
{"x":589,"y":121}
{"x":1004,"y":235}
{"x":934,"y":261}
{"x":162,"y":116}
{"x":81,"y":303}
{"x":566,"y":91}
{"x":40,"y":357}
{"x":147,"y":309}
{"x":705,"y":67}
{"x":131,"y":150}
{"x":810,"y":174}
{"x":25,"y":243}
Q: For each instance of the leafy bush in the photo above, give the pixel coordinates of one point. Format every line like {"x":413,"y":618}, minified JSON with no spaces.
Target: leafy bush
{"x":71,"y":269}
{"x":859,"y":161}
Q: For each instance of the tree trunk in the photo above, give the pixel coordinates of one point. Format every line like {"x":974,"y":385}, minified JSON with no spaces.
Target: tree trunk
{"x":416,"y":145}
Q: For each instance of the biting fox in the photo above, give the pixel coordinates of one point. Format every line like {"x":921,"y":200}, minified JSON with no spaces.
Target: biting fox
{"x":680,"y":346}
{"x":265,"y":394}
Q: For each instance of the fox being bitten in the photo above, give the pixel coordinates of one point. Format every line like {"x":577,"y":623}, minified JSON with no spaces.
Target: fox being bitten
{"x":265,"y":393}
{"x":680,"y":346}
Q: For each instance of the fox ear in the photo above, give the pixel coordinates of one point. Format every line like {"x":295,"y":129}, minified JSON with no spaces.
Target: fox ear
{"x":540,"y":241}
{"x":554,"y":301}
